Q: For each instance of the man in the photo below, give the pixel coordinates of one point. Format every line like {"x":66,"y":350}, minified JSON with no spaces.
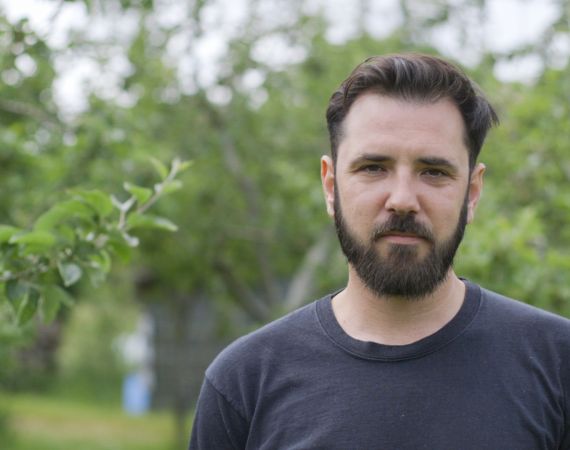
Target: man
{"x":408,"y":355}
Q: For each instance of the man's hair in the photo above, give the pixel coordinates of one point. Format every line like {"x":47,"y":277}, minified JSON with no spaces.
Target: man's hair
{"x":419,"y":78}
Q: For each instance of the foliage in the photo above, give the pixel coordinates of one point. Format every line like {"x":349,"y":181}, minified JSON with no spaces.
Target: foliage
{"x":526,"y":198}
{"x":74,"y":238}
{"x":256,"y":143}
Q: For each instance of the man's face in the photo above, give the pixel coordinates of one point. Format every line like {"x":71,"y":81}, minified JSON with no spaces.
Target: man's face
{"x":401,"y":193}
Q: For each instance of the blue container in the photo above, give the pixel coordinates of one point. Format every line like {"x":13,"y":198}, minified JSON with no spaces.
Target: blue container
{"x":136,"y":394}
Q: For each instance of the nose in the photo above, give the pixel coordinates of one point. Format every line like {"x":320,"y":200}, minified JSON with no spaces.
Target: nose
{"x":402,"y":197}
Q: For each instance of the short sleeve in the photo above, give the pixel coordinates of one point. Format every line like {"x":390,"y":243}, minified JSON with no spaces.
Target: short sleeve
{"x":565,"y":444}
{"x":217,"y":424}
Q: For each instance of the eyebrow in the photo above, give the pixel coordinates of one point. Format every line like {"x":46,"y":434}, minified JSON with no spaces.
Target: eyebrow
{"x":427,"y":161}
{"x":438,"y":162}
{"x":370,"y":158}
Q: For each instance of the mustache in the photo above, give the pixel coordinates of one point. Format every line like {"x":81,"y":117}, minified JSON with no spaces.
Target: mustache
{"x":402,"y":224}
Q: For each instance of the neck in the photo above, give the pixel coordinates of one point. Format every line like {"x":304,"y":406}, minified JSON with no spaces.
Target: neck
{"x":394,"y":320}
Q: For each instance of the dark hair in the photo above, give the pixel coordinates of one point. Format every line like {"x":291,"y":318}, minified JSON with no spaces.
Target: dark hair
{"x":414,"y":77}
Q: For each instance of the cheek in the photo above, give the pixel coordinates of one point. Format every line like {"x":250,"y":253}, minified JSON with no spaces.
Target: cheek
{"x":443,"y":211}
{"x":450,"y":222}
{"x":359,"y":205}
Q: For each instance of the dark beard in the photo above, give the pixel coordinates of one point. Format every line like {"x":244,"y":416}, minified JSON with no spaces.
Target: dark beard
{"x":401,"y":273}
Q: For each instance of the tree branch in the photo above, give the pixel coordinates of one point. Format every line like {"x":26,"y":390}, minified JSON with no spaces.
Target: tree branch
{"x":27,"y":110}
{"x":250,"y":303}
{"x":252,"y":197}
{"x":56,"y":12}
{"x":302,"y":285}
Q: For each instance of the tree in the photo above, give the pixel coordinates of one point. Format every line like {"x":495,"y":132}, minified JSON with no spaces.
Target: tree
{"x":253,"y":235}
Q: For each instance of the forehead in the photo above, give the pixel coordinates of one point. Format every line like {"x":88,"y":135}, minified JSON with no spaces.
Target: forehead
{"x":379,"y":123}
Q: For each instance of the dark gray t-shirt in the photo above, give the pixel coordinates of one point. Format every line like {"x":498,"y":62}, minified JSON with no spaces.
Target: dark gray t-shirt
{"x":496,"y":376}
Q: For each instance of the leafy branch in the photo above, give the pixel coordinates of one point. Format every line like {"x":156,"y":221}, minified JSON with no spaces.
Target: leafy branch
{"x":77,"y":237}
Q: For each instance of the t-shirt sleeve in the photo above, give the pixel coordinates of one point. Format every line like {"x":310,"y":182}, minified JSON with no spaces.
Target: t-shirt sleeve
{"x":217,"y":424}
{"x":566,"y":386}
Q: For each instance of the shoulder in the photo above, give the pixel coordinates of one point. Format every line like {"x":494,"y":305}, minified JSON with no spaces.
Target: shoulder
{"x":245,"y":369}
{"x":514,"y":315}
{"x":280,"y":339}
{"x":524,"y":311}
{"x":519,"y":333}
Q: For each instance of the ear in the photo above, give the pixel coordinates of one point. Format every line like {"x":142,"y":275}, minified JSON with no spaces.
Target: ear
{"x":327,"y":179}
{"x":475,"y":190}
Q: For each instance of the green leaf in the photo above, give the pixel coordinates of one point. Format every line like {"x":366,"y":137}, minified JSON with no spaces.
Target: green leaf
{"x":142,"y":194}
{"x":52,"y":299}
{"x":6,"y":232}
{"x":101,"y":261}
{"x":66,"y":234}
{"x":61,"y":212}
{"x":97,"y":200}
{"x":131,"y":241}
{"x":168,"y":187}
{"x":160,"y":167}
{"x":38,"y":238}
{"x":17,"y":292}
{"x":70,"y":273}
{"x":119,"y":247}
{"x":148,"y":221}
{"x":181,"y":166}
{"x":29,"y":307}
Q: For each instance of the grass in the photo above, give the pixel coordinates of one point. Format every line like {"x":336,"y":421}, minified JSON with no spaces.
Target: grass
{"x":49,"y":423}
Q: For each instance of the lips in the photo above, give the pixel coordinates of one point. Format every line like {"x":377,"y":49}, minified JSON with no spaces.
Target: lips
{"x":400,"y":234}
{"x":402,"y":238}
{"x":418,"y":233}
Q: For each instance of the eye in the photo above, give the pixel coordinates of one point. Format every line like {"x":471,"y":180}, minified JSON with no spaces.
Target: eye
{"x":435,"y":173}
{"x":372,"y":169}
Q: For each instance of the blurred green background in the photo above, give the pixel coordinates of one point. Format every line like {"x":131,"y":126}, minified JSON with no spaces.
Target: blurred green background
{"x":91,"y":89}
